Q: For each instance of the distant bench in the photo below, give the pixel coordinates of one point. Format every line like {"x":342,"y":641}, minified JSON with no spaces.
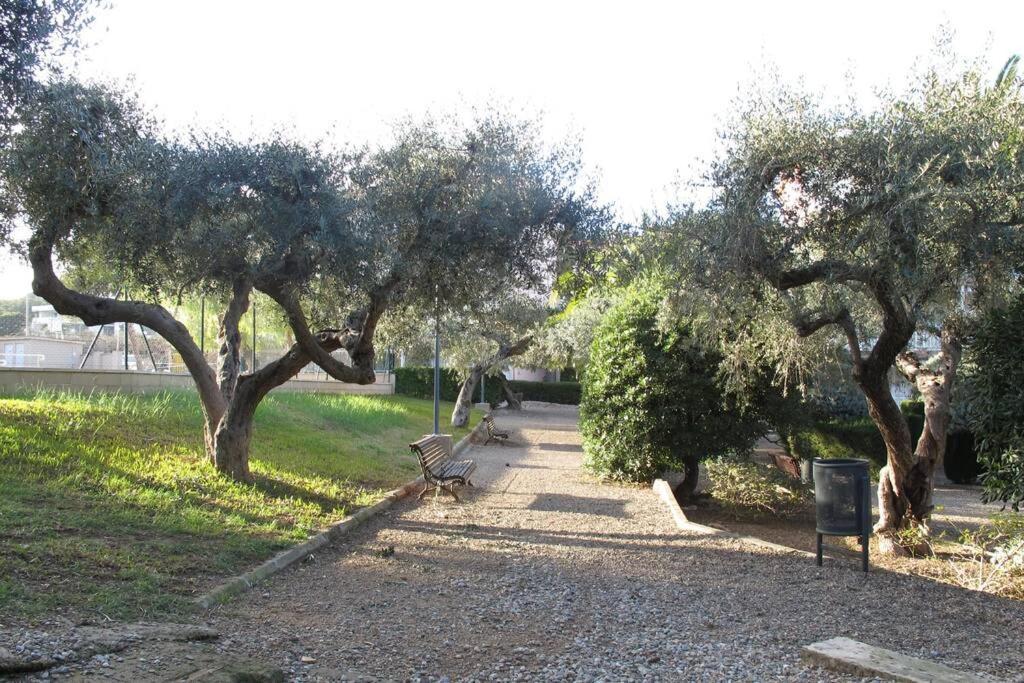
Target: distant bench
{"x":493,"y":433}
{"x":440,"y":471}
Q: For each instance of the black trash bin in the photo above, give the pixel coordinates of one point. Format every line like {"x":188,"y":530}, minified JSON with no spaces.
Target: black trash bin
{"x":842,"y":496}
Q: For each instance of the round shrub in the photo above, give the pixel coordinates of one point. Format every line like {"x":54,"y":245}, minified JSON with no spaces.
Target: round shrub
{"x":651,"y":398}
{"x":995,"y":402}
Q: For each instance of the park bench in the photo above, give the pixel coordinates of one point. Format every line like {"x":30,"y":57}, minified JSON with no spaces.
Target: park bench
{"x":440,"y":471}
{"x":493,"y":433}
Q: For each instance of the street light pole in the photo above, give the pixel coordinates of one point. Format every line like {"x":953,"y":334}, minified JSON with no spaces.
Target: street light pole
{"x":437,"y":372}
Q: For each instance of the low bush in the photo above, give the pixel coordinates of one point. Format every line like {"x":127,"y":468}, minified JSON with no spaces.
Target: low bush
{"x":747,"y":487}
{"x":418,"y":382}
{"x":859,"y":438}
{"x":961,"y":461}
{"x":913,"y":413}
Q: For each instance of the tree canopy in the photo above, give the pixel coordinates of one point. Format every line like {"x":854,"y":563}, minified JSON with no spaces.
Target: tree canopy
{"x":444,"y":216}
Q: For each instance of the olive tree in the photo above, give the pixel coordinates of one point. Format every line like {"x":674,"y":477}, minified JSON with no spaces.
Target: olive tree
{"x":489,"y":337}
{"x":32,"y":33}
{"x":333,"y":239}
{"x":874,"y":224}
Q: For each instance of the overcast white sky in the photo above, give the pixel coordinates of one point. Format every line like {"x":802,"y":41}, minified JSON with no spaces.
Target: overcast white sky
{"x":643,"y":83}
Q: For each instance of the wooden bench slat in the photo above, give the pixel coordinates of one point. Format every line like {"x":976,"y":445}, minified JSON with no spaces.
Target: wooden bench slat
{"x":436,"y":462}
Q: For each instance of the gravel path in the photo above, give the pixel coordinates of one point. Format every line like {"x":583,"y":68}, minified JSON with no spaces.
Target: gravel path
{"x":544,"y":574}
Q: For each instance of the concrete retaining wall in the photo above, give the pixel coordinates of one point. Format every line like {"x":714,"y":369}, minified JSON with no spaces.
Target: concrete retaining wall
{"x":148,"y":382}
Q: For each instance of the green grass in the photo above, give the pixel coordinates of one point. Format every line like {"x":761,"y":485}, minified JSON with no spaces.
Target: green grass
{"x":108,"y":505}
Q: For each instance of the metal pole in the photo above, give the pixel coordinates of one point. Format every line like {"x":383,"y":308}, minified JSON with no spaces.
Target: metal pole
{"x":92,"y":344}
{"x":202,"y":325}
{"x":149,"y":350}
{"x":125,"y":336}
{"x":28,"y":317}
{"x":253,"y":336}
{"x":437,"y":374}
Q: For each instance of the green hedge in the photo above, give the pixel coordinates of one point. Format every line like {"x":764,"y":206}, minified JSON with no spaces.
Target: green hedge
{"x":859,"y":438}
{"x":567,"y":393}
{"x":856,"y":438}
{"x":418,"y":382}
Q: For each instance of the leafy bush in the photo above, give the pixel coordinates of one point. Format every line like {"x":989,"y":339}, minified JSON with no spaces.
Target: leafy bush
{"x":994,"y":377}
{"x":856,"y":438}
{"x":750,"y":487}
{"x":651,"y":399}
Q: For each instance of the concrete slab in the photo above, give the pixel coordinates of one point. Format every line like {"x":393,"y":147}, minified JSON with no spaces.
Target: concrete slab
{"x":851,"y":656}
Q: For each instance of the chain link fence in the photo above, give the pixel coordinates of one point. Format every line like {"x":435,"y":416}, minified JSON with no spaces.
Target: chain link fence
{"x":34,"y":335}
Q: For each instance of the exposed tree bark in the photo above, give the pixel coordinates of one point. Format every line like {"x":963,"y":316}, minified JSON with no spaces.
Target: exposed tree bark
{"x":234,"y":432}
{"x":463,"y":404}
{"x":935,"y":387}
{"x":685,"y":489}
{"x":510,"y":396}
{"x":906,"y":482}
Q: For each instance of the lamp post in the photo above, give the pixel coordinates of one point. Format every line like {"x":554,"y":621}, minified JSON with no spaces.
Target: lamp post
{"x":437,"y":371}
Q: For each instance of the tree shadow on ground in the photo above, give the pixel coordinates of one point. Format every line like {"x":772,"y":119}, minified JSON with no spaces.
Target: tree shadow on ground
{"x":560,"y":447}
{"x":557,"y":502}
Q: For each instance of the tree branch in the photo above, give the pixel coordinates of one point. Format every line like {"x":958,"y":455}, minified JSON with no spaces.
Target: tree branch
{"x":310,"y":346}
{"x":229,"y":338}
{"x":805,"y":327}
{"x":820,"y":271}
{"x":96,"y":310}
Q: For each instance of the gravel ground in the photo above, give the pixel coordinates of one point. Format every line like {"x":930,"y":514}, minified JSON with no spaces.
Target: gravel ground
{"x":544,"y":574}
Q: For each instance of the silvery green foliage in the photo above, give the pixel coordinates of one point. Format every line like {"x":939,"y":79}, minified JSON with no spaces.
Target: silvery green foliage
{"x":469,"y":334}
{"x":444,"y":213}
{"x":914,"y":202}
{"x":566,"y":337}
{"x":32,"y":32}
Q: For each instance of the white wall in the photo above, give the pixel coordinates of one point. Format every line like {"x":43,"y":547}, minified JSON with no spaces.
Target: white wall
{"x":146,"y":382}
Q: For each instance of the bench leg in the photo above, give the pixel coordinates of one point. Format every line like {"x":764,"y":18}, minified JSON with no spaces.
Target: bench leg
{"x":451,"y":490}
{"x":426,"y":489}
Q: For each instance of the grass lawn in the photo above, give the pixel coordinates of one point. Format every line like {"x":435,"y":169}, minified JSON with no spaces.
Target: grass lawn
{"x":109,"y":507}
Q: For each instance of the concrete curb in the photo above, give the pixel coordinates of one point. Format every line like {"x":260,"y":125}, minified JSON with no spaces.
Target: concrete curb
{"x":287,"y":558}
{"x":860,"y":659}
{"x":664,"y":491}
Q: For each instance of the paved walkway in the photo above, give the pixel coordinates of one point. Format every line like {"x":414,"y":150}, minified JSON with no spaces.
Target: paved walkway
{"x":545,"y":574}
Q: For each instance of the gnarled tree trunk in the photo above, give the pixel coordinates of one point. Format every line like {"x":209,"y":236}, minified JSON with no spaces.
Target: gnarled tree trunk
{"x":463,"y":404}
{"x":510,"y":396}
{"x":228,"y":398}
{"x":905,"y":493}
